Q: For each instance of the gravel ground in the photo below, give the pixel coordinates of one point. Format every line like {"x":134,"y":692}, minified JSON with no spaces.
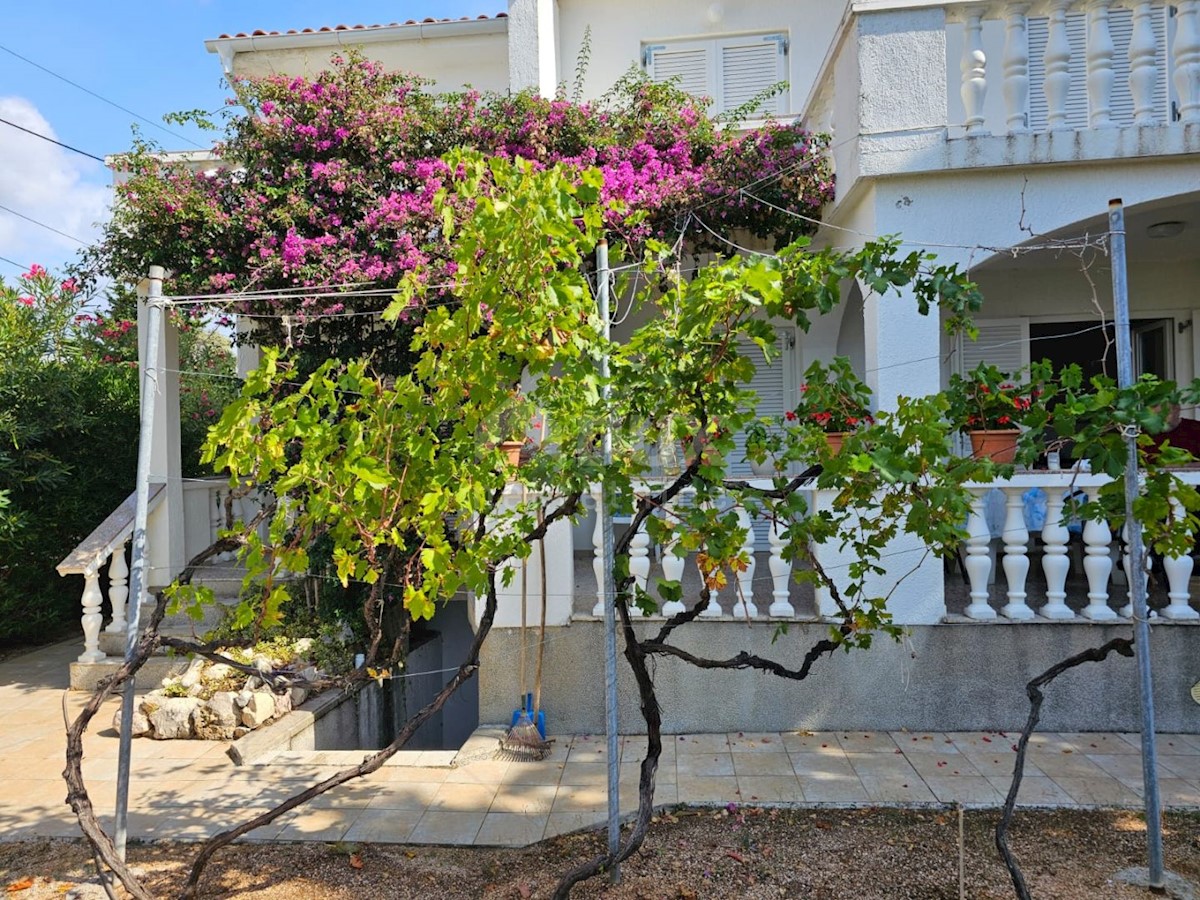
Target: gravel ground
{"x":867,"y":854}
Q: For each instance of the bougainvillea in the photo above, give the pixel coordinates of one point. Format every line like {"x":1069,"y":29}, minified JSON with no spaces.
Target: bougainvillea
{"x":332,"y":180}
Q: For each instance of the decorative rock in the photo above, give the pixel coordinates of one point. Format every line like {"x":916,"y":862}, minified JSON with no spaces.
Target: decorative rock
{"x":240,"y":731}
{"x":141,"y":724}
{"x":194,"y":674}
{"x":218,"y":672}
{"x":222,"y":709}
{"x":297,"y":695}
{"x":174,"y":718}
{"x":259,"y":709}
{"x":253,"y":683}
{"x":283,"y":703}
{"x":243,"y":697}
{"x":263,"y":663}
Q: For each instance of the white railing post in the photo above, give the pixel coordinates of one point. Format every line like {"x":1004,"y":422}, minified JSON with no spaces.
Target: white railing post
{"x":1179,"y":574}
{"x":1186,"y":51}
{"x":1097,"y":565}
{"x":978,"y":562}
{"x":1016,"y":68}
{"x":974,"y":72}
{"x":91,"y":619}
{"x":639,"y":564}
{"x":743,"y":602}
{"x":1016,"y":555}
{"x":1055,"y":563}
{"x":118,"y":589}
{"x":1143,"y":64}
{"x":598,"y":553}
{"x":1100,"y":53}
{"x":781,"y":574}
{"x":1057,"y":66}
{"x":1127,"y":609}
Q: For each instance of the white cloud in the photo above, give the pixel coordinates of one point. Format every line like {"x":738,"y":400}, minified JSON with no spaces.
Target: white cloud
{"x":55,"y":186}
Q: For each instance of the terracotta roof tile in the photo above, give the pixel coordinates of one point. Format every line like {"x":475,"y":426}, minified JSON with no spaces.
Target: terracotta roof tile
{"x":259,"y":32}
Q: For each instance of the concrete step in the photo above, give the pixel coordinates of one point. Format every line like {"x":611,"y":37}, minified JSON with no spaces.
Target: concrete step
{"x":89,"y":676}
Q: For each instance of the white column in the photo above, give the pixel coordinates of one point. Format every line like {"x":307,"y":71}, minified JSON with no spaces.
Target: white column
{"x":1016,"y":555}
{"x":1016,"y":68}
{"x":118,"y":589}
{"x":781,"y":574}
{"x":978,"y":562}
{"x":1179,"y":574}
{"x":672,"y":568}
{"x":598,"y":554}
{"x":1100,"y":52}
{"x":974,"y":72}
{"x":743,"y":603}
{"x":1055,"y":563}
{"x":1143,"y":65}
{"x":1057,"y":80}
{"x":1097,"y":564}
{"x":1186,"y":51}
{"x":533,"y":46}
{"x":1127,"y":609}
{"x":91,"y":615}
{"x":639,"y":564}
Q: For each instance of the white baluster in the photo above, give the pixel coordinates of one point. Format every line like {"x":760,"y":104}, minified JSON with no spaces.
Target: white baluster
{"x":1143,"y":66}
{"x":1016,"y":68}
{"x":781,"y":574}
{"x":598,"y":554}
{"x":118,"y":589}
{"x":1127,"y":609}
{"x":974,"y":73}
{"x":672,"y":567}
{"x":216,"y":516}
{"x":1016,"y":556}
{"x":1100,"y":53}
{"x":1097,"y":565}
{"x":978,"y":562}
{"x":1054,"y":559}
{"x":743,"y":602}
{"x":713,"y":610}
{"x":1179,"y":574}
{"x":91,"y":619}
{"x":639,"y":563}
{"x":1057,"y":80}
{"x":1186,"y":51}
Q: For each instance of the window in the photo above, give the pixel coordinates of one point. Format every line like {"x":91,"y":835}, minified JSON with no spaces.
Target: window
{"x":729,"y":70}
{"x":1120,"y":23}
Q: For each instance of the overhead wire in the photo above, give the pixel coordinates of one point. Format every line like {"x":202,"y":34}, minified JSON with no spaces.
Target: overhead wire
{"x":43,"y":137}
{"x":14,"y":263}
{"x":21,"y":215}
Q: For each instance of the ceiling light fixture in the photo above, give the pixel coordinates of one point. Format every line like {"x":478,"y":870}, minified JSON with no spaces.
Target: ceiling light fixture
{"x":1165,"y":229}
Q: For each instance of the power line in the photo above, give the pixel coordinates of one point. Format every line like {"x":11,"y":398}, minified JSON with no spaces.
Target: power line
{"x":103,"y":99}
{"x":44,"y":225}
{"x":53,"y":141}
{"x":12,"y":262}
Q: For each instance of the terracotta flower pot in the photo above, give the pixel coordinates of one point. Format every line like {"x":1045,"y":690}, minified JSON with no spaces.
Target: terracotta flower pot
{"x":998,"y":445}
{"x":834,"y":439}
{"x":512,"y":450}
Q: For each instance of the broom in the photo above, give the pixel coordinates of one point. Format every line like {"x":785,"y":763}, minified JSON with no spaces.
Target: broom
{"x":523,"y":741}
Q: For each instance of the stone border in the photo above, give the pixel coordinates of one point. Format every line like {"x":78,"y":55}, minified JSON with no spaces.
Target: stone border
{"x":279,"y":735}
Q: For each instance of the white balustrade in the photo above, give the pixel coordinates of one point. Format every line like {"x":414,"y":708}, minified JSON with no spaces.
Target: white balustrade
{"x":1186,"y":51}
{"x":118,"y":589}
{"x":1057,"y":66}
{"x":1016,"y":68}
{"x":1016,"y":558}
{"x":1178,"y":568}
{"x":598,"y":554}
{"x":1143,"y":64}
{"x":743,"y":601}
{"x":781,"y":574}
{"x":1055,"y":563}
{"x":978,"y":562}
{"x":91,"y":619}
{"x":639,"y":559}
{"x":1100,"y":53}
{"x":1097,"y":565}
{"x":974,"y":72}
{"x":672,"y":568}
{"x":1127,"y":609}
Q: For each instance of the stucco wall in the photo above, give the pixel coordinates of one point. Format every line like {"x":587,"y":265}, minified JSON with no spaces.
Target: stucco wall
{"x":947,"y":677}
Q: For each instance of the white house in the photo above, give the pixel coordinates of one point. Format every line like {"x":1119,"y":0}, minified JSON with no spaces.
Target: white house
{"x":992,"y":133}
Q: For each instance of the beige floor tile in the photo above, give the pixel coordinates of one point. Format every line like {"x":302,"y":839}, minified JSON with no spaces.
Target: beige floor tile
{"x":1071,"y":765}
{"x":866,"y":742}
{"x":355,"y":794}
{"x":439,"y":758}
{"x":984,"y":741}
{"x":1177,"y":744}
{"x":566,"y":822}
{"x":664,"y":774}
{"x":819,"y":765}
{"x":756,"y":742}
{"x":420,"y":774}
{"x":1104,"y":744}
{"x":1178,"y":766}
{"x":405,"y":794}
{"x":939,"y":765}
{"x":580,"y":798}
{"x":770,"y":789}
{"x":463,"y":798}
{"x":318,"y":824}
{"x":633,"y":747}
{"x":534,"y":773}
{"x":811,"y":742}
{"x":165,"y":793}
{"x":703,"y":764}
{"x":833,"y":789}
{"x":881,"y":765}
{"x":1103,"y":791}
{"x":384,"y":826}
{"x":590,"y":754}
{"x":897,"y":790}
{"x":584,"y":773}
{"x":1179,"y":792}
{"x":967,"y":789}
{"x":525,"y":799}
{"x":506,"y":829}
{"x":924,"y":742}
{"x":447,"y":827}
{"x":708,"y":788}
{"x":482,"y":772}
{"x":1036,"y":790}
{"x":1001,"y":764}
{"x":701,"y":743}
{"x":762,"y":764}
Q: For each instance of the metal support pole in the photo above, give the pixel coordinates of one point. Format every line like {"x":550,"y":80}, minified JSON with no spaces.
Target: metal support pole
{"x":609,"y":587}
{"x":1137,"y":553}
{"x":140,"y":569}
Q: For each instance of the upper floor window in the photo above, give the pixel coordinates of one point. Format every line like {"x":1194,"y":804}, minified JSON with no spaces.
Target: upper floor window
{"x":729,"y":70}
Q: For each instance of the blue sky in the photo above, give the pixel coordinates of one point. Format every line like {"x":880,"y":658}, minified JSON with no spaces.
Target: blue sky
{"x":147,"y":57}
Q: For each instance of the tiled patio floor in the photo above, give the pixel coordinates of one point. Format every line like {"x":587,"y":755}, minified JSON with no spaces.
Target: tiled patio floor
{"x":190,"y":789}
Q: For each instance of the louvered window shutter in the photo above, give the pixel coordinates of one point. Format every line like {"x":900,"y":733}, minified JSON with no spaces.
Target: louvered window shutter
{"x":770,"y":383}
{"x":689,"y":65}
{"x":1003,"y":343}
{"x":729,"y":71}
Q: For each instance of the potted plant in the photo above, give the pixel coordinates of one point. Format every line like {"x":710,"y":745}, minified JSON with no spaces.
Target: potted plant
{"x":765,"y":446}
{"x":990,"y":406}
{"x":834,"y":399}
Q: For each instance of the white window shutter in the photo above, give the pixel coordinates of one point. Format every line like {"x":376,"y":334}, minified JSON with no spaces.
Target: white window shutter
{"x":771,"y":383}
{"x":689,"y":65}
{"x":1003,"y":343}
{"x":747,"y":67}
